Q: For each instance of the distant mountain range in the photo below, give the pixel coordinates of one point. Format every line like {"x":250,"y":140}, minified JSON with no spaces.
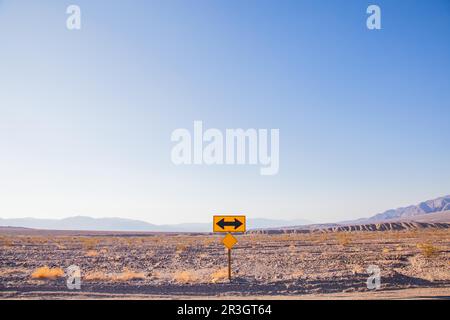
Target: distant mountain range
{"x":119,"y":224}
{"x":436,"y":210}
{"x":428,"y":214}
{"x":407,"y":213}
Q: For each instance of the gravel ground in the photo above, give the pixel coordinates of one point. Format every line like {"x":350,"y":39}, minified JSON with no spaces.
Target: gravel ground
{"x":317,"y":265}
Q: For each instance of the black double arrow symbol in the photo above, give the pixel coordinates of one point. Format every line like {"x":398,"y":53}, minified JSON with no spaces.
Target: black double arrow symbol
{"x":236,"y":223}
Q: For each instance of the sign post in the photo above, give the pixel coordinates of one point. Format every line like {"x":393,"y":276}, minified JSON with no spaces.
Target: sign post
{"x":229,"y":264}
{"x":229,"y":224}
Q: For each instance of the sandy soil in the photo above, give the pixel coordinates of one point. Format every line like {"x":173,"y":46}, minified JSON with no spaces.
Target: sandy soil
{"x":413,"y":264}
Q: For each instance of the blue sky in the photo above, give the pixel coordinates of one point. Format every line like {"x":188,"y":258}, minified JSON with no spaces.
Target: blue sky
{"x":86,"y":116}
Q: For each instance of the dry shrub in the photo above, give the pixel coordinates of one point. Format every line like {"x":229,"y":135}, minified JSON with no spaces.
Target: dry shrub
{"x":322,"y":237}
{"x":96,"y":275}
{"x":343,"y":238}
{"x":410,"y":234}
{"x":385,"y":250}
{"x":36,"y":240}
{"x":6,"y":242}
{"x":428,"y":250}
{"x":285,"y":237}
{"x":47,"y":273}
{"x":187,"y":276}
{"x":126,"y":275}
{"x":156,"y":239}
{"x":89,"y":243}
{"x":180,"y":248}
{"x":219,"y":275}
{"x":128,"y":242}
{"x":356,"y":269}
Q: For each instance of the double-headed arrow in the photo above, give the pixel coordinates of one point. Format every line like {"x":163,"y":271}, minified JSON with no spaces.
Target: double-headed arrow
{"x":236,"y":223}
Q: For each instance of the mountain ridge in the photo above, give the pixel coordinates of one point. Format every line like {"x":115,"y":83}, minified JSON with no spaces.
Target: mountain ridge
{"x":439,"y":204}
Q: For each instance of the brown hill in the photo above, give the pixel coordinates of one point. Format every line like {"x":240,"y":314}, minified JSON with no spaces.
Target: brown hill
{"x":383,"y":226}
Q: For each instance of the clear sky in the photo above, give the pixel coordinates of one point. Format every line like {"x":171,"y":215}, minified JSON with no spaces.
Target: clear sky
{"x":86,"y":116}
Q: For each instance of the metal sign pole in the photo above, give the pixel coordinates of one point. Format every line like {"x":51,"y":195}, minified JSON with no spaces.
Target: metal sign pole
{"x":229,"y":264}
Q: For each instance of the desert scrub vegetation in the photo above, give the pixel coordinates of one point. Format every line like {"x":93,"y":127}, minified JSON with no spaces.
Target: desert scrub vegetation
{"x":38,"y":240}
{"x":297,"y":274}
{"x":285,"y":237}
{"x":96,"y":276}
{"x":89,"y":243}
{"x":200,"y":276}
{"x":208,"y":241}
{"x":428,"y":250}
{"x":343,"y":238}
{"x":180,"y":248}
{"x":322,"y":237}
{"x":47,"y":273}
{"x":6,"y":242}
{"x":126,"y":275}
{"x":219,"y":275}
{"x":187,"y":276}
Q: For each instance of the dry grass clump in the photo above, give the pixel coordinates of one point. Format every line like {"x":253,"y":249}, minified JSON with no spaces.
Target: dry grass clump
{"x":126,"y":275}
{"x":322,"y":237}
{"x":5,"y":242}
{"x":207,"y":241}
{"x":200,"y":276}
{"x":219,"y":275}
{"x":285,"y":237}
{"x":37,"y":240}
{"x":47,"y":273}
{"x":187,"y":276}
{"x":156,"y":240}
{"x":356,"y":269}
{"x":96,"y":276}
{"x":180,"y":248}
{"x":428,"y":250}
{"x":89,"y":243}
{"x":343,"y":238}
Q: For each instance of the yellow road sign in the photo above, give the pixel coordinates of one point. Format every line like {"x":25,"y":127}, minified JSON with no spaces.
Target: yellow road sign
{"x":229,"y":241}
{"x":229,"y":224}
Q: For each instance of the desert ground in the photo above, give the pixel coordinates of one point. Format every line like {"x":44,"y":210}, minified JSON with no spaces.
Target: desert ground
{"x":414,"y":264}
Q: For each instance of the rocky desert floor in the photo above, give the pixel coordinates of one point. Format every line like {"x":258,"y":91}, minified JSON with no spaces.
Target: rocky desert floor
{"x":328,"y":265}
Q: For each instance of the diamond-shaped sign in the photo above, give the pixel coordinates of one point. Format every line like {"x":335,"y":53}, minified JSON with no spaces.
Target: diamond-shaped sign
{"x":229,"y":241}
